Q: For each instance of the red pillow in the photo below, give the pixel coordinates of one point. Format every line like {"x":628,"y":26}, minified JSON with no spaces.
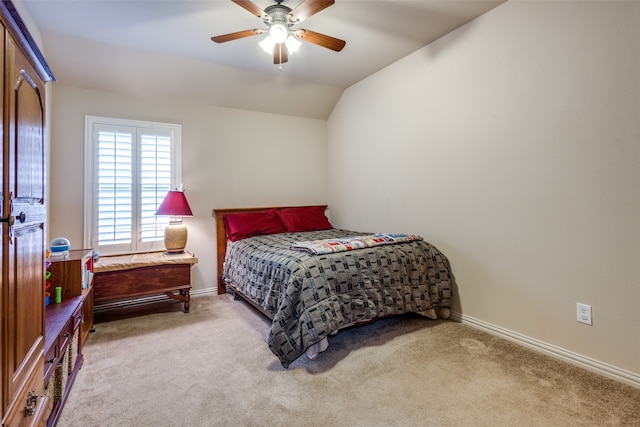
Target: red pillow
{"x":308,"y":218}
{"x":242,"y":225}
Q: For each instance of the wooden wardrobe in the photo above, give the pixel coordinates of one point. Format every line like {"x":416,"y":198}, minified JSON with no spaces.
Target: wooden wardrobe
{"x":23,"y":209}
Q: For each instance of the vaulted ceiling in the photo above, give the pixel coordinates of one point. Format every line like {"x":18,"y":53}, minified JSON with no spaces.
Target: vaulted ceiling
{"x":163,"y":48}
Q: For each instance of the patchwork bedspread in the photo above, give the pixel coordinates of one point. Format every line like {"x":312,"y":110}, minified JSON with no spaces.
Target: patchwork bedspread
{"x":311,"y":296}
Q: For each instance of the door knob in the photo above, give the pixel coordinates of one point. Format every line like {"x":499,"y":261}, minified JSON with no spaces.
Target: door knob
{"x":12,"y":219}
{"x":9,"y":220}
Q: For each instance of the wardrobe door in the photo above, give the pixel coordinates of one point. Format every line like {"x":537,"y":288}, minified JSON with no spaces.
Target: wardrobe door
{"x":24,"y":245}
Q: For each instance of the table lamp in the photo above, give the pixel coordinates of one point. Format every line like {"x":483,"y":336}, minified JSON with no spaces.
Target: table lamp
{"x":176,"y":206}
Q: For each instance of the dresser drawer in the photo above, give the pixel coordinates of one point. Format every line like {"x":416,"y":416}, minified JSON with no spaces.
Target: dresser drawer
{"x":76,"y":319}
{"x":50,"y":362}
{"x":29,"y":407}
{"x":65,"y":337}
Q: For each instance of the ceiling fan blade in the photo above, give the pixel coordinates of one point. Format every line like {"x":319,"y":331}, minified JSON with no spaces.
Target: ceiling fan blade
{"x":308,"y":8}
{"x":280,"y":54}
{"x":237,"y":35}
{"x":252,"y":8}
{"x":321,"y":40}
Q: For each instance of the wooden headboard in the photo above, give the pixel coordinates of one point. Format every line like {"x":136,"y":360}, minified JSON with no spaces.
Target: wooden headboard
{"x":221,"y":235}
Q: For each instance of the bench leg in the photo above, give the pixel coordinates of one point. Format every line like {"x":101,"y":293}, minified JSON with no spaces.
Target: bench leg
{"x":187,"y":298}
{"x":183,"y":296}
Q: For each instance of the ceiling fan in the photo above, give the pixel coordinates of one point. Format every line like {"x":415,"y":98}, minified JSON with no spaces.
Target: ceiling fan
{"x":280,"y":19}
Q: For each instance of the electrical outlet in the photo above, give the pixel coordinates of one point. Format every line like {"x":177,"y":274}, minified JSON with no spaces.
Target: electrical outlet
{"x":584,"y":313}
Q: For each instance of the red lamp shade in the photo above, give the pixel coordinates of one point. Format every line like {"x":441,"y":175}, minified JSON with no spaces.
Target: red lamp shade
{"x":175,"y":234}
{"x":174,"y":204}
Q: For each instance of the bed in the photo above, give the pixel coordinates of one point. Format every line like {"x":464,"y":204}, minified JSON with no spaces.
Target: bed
{"x":312,"y":279}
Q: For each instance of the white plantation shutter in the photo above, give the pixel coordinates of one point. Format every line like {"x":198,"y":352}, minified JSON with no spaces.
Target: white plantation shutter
{"x":155,"y":182}
{"x":129,"y":168}
{"x":114,"y":198}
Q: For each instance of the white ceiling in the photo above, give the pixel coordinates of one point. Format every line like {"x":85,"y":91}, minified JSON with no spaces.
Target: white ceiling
{"x":164,"y":48}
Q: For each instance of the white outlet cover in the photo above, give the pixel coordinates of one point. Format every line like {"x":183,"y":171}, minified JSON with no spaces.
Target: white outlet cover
{"x":583,"y":313}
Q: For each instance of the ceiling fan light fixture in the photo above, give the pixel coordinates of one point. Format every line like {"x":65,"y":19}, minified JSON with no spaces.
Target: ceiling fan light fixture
{"x":278,"y":32}
{"x":292,"y":44}
{"x":267,"y":44}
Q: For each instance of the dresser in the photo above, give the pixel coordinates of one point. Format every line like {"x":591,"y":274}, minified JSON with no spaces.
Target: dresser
{"x":67,"y":326}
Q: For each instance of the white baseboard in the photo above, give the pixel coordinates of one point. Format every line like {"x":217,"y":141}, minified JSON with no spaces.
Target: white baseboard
{"x":551,"y":350}
{"x":202,"y":292}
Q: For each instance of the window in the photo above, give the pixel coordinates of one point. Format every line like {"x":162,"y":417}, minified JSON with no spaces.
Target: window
{"x":129,"y":168}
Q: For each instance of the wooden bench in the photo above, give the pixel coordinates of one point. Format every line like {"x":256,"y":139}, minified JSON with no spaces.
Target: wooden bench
{"x":131,"y":276}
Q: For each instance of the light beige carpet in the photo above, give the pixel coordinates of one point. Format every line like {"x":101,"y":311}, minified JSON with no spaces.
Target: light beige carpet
{"x":212,"y":367}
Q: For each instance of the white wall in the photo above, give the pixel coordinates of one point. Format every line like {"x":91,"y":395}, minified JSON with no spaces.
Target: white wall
{"x":231,"y":158}
{"x":512,"y":144}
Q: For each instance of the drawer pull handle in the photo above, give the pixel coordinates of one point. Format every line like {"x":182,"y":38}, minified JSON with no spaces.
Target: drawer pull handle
{"x":30,"y":407}
{"x":50,"y":361}
{"x":66,"y":335}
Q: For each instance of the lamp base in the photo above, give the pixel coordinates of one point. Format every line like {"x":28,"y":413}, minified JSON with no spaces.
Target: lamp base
{"x":175,"y":237}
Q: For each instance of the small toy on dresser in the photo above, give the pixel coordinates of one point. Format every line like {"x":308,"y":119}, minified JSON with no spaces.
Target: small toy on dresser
{"x":59,"y":248}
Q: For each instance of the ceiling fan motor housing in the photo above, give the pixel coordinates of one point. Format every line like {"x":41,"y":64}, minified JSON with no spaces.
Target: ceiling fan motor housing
{"x":278,"y":22}
{"x":278,"y":13}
